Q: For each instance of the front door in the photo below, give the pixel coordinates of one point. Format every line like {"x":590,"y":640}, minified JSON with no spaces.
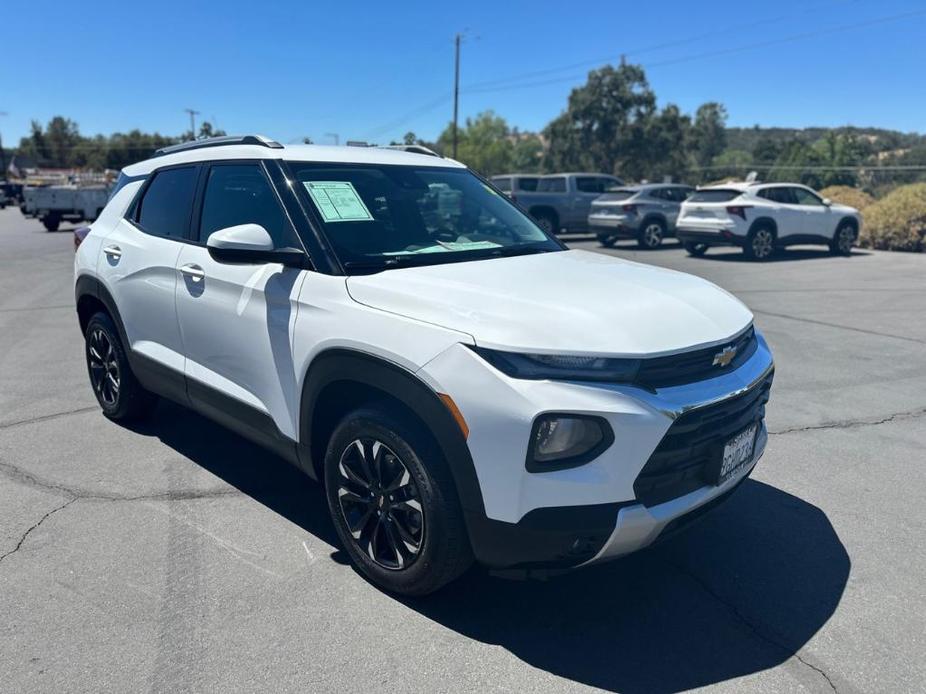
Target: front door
{"x":236,"y":318}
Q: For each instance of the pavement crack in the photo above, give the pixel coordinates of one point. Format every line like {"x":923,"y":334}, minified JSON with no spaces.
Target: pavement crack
{"x":749,"y":624}
{"x":21,"y":476}
{"x":854,"y":423}
{"x":46,"y":417}
{"x":840,"y":327}
{"x":41,"y":520}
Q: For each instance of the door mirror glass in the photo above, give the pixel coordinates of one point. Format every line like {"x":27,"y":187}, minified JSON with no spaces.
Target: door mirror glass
{"x":250,"y":243}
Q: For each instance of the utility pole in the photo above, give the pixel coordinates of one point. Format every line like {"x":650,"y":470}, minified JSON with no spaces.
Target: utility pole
{"x":193,"y":115}
{"x":2,"y":154}
{"x":456,"y":93}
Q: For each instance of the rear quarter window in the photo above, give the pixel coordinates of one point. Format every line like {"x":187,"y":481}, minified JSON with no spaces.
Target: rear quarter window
{"x":166,"y":206}
{"x":714,"y":195}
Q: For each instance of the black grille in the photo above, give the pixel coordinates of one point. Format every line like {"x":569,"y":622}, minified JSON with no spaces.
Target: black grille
{"x":687,"y":456}
{"x":697,"y":365}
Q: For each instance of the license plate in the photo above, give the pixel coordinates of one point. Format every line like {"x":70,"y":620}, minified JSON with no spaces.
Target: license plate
{"x":737,"y":452}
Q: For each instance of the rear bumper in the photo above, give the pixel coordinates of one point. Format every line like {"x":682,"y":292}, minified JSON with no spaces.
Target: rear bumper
{"x":711,"y":238}
{"x":620,"y":226}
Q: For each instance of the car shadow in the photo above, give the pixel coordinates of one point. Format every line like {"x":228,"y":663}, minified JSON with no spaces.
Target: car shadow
{"x":739,"y":592}
{"x":728,"y":254}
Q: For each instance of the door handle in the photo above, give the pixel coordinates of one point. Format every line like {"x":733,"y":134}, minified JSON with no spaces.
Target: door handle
{"x":113,"y":252}
{"x":194,"y":272}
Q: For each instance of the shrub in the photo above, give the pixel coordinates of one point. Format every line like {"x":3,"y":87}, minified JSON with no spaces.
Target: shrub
{"x":897,"y":222}
{"x":847,"y":195}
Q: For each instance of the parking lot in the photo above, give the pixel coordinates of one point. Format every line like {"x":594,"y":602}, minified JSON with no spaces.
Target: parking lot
{"x":177,"y":556}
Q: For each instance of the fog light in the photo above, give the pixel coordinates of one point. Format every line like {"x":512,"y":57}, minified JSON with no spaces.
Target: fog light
{"x":561,"y":441}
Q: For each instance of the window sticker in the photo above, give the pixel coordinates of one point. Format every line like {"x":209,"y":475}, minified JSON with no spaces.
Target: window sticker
{"x":338,"y":201}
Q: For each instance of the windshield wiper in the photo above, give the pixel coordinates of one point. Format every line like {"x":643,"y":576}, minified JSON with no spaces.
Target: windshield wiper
{"x":508,"y":251}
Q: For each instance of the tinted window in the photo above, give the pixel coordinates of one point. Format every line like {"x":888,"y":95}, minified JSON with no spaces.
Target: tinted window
{"x":660,"y":193}
{"x":805,"y":197}
{"x":556,"y":184}
{"x":165,"y":209}
{"x":780,"y":195}
{"x":587,"y":184}
{"x":528,"y":184}
{"x":714,"y":195}
{"x":240,"y":194}
{"x":503,"y":184}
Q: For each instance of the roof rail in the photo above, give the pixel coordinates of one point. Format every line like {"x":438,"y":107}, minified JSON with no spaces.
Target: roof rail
{"x":416,"y":149}
{"x":220,"y":142}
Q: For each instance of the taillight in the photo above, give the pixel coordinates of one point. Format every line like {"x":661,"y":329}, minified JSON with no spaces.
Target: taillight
{"x":630,"y":209}
{"x":738,"y":210}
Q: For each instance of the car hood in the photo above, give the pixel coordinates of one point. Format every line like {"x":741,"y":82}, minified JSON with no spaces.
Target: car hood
{"x":843,"y":209}
{"x":575,"y":302}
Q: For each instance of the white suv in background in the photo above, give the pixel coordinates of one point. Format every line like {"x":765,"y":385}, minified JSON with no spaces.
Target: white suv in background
{"x":464,"y":386}
{"x":761,"y":217}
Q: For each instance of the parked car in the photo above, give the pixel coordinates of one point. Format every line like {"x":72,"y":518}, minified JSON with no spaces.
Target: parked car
{"x":410,"y":338}
{"x":761,"y":217}
{"x":12,"y":191}
{"x":646,"y":213}
{"x":562,"y":201}
{"x":73,"y":203}
{"x":515,"y":184}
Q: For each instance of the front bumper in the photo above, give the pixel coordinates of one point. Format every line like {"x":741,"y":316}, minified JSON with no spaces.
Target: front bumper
{"x":576,"y":516}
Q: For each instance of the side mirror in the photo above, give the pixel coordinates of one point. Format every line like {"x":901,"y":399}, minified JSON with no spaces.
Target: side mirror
{"x":827,"y":202}
{"x":251,"y":244}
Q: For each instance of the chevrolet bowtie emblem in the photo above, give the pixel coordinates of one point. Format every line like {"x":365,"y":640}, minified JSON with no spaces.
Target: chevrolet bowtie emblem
{"x":724,"y":356}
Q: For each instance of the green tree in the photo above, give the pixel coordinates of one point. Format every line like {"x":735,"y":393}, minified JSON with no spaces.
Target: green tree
{"x":483,"y":143}
{"x":667,"y":137}
{"x":604,"y":127}
{"x":708,"y":134}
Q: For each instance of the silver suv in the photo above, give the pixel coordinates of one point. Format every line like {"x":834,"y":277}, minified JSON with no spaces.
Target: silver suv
{"x":647,"y":213}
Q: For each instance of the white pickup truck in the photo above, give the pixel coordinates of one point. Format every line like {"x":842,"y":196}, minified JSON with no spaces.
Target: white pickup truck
{"x":71,"y":203}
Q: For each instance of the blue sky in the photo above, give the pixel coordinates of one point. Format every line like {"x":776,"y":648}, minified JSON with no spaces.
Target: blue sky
{"x":373,"y":70}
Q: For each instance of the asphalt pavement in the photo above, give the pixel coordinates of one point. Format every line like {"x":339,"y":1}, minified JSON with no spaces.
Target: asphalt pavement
{"x":175,"y":556}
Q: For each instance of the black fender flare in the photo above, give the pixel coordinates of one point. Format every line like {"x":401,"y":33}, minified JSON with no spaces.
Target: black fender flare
{"x":87,"y":285}
{"x":347,"y":365}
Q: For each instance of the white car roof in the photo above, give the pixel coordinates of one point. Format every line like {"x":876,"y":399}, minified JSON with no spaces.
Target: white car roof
{"x":311,"y":153}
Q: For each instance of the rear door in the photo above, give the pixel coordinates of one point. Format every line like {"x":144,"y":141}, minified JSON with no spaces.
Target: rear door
{"x":788,"y":215}
{"x":235,"y":318}
{"x":138,"y":265}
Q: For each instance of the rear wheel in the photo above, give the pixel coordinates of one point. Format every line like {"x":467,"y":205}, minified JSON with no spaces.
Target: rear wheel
{"x":394,"y":503}
{"x":607,"y":240}
{"x":51,"y":222}
{"x":843,"y":240}
{"x":547,"y":221}
{"x":114,"y":384}
{"x":760,"y":244}
{"x":695,"y":249}
{"x":651,"y":234}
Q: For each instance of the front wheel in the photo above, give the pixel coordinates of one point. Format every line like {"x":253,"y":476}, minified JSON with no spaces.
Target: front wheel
{"x":607,"y":240}
{"x":547,"y":221}
{"x":394,"y":504}
{"x":843,"y":240}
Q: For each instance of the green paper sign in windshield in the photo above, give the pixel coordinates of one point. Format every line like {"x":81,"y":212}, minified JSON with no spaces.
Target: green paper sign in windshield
{"x":338,"y":201}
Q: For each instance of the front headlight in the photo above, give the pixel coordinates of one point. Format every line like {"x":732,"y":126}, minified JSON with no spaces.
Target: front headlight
{"x":562,"y":367}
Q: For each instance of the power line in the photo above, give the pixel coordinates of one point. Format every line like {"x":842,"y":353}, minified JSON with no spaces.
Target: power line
{"x":716,"y":53}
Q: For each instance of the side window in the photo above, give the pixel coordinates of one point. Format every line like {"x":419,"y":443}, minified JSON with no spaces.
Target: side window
{"x":587,"y":184}
{"x":240,"y":194}
{"x":606,"y":182}
{"x":552,"y":185}
{"x":167,"y":204}
{"x":661,"y":193}
{"x":805,"y":197}
{"x":503,"y":184}
{"x":528,"y":184}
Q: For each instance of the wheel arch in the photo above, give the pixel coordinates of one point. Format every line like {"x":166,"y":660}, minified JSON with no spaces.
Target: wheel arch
{"x":657,"y":216}
{"x":764,"y":221}
{"x":90,"y":296}
{"x":535,"y":210}
{"x":339,"y":380}
{"x":850,"y":220}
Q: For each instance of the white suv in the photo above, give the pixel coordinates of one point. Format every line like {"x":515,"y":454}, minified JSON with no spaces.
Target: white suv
{"x":761,"y":217}
{"x":464,"y":385}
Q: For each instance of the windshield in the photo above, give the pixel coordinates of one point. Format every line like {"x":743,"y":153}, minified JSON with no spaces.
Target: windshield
{"x":381,"y":216}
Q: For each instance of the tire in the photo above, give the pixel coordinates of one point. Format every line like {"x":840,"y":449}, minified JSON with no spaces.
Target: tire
{"x":396,"y":546}
{"x":760,"y":243}
{"x":51,"y":222}
{"x":547,"y":221}
{"x":652,"y":232}
{"x":843,"y":239}
{"x":607,"y":240}
{"x":118,"y":392}
{"x":695,"y":249}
